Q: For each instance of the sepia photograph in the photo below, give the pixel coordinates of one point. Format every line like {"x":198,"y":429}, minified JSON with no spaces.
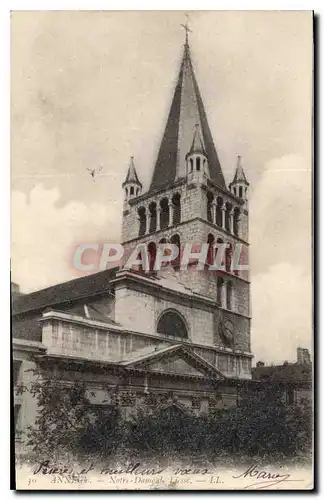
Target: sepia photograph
{"x":161,"y":250}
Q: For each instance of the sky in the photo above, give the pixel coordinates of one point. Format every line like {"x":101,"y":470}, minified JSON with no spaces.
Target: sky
{"x":90,"y":89}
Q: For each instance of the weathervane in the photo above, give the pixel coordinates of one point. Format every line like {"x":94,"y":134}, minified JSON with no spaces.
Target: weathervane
{"x":186,"y":28}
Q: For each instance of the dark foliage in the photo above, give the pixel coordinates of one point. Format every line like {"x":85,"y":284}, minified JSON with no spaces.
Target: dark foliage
{"x":262,"y":425}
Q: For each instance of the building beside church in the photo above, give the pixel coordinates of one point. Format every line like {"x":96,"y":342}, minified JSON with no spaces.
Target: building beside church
{"x":157,"y":337}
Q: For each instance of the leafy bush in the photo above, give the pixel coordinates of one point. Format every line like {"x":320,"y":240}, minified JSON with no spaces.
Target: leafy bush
{"x":260,"y":426}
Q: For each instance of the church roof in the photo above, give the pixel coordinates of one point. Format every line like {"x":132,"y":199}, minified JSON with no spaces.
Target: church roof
{"x":132,"y":174}
{"x":67,"y":292}
{"x":239,"y":175}
{"x":187,"y":110}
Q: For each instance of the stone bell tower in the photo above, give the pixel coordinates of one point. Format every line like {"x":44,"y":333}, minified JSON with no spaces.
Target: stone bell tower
{"x":188,"y":201}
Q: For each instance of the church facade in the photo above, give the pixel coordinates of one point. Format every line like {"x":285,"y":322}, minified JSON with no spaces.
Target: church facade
{"x":154,"y":337}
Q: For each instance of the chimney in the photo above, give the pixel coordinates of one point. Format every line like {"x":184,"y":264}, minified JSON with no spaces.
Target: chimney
{"x":303,"y":356}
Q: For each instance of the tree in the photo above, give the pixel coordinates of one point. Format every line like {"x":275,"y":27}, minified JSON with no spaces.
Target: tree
{"x":262,"y":425}
{"x":67,"y":421}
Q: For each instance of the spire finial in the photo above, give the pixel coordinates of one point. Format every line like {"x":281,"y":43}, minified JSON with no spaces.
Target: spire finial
{"x":239,"y":157}
{"x":187,"y":29}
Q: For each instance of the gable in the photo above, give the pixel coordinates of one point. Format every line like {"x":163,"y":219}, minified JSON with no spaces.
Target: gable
{"x":177,"y":360}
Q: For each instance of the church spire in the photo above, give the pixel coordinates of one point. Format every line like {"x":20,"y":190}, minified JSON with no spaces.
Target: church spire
{"x":186,"y":111}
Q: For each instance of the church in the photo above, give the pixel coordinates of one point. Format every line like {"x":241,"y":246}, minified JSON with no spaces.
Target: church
{"x":154,"y":338}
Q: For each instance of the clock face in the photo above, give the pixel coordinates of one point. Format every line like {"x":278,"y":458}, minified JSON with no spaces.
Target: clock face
{"x":226,"y":330}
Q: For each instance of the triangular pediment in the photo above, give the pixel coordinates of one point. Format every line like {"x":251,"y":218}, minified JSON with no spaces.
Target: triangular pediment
{"x":177,"y":360}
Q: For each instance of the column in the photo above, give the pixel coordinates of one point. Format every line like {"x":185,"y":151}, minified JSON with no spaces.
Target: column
{"x":148,"y":221}
{"x":158,"y":217}
{"x":170,"y":213}
{"x":231,"y":221}
{"x":223,"y":295}
{"x":214,"y":211}
{"x":223,"y":209}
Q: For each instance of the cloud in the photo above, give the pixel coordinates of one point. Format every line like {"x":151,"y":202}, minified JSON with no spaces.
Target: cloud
{"x":280,"y":214}
{"x":280,"y":259}
{"x":44,"y":235}
{"x":281,"y":312}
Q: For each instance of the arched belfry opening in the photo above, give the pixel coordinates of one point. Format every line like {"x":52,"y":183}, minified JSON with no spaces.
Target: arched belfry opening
{"x":175,"y":240}
{"x":176,"y":200}
{"x":142,"y":221}
{"x":152,"y":209}
{"x":151,"y":249}
{"x":164,"y":205}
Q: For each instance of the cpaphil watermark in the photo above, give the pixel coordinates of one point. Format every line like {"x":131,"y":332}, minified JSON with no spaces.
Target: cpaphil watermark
{"x":94,"y":257}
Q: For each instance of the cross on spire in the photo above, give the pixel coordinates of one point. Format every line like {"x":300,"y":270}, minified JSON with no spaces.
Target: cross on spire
{"x":186,"y":28}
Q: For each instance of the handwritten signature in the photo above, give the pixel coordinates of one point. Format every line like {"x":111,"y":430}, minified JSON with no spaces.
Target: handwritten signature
{"x":264,"y":478}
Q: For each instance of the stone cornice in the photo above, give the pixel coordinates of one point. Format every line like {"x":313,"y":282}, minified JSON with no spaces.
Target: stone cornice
{"x":73,"y":318}
{"x":154,"y":285}
{"x":28,"y":345}
{"x":182,"y":223}
{"x":120,"y":370}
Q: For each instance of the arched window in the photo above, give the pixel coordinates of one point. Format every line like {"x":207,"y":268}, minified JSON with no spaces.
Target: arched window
{"x":198,"y":163}
{"x":163,"y":241}
{"x":142,"y":221}
{"x":171,"y":323}
{"x":132,"y":190}
{"x":164,"y":217}
{"x":236,"y":217}
{"x":175,"y":240}
{"x":235,"y":191}
{"x":137,"y":190}
{"x":240,"y":192}
{"x":220,"y":285}
{"x":151,"y":254}
{"x":152,"y":209}
{"x":191,"y":164}
{"x":176,"y":200}
{"x":219,"y":217}
{"x":211,"y":252}
{"x":218,"y":243}
{"x":210,"y":198}
{"x":229,"y":295}
{"x":228,"y":258}
{"x":228,"y":207}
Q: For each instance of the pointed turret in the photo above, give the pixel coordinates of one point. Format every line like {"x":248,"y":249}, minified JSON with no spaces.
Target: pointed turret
{"x":239,"y":185}
{"x":197,"y":164}
{"x":186,"y":111}
{"x":132,"y":184}
{"x":197,"y":145}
